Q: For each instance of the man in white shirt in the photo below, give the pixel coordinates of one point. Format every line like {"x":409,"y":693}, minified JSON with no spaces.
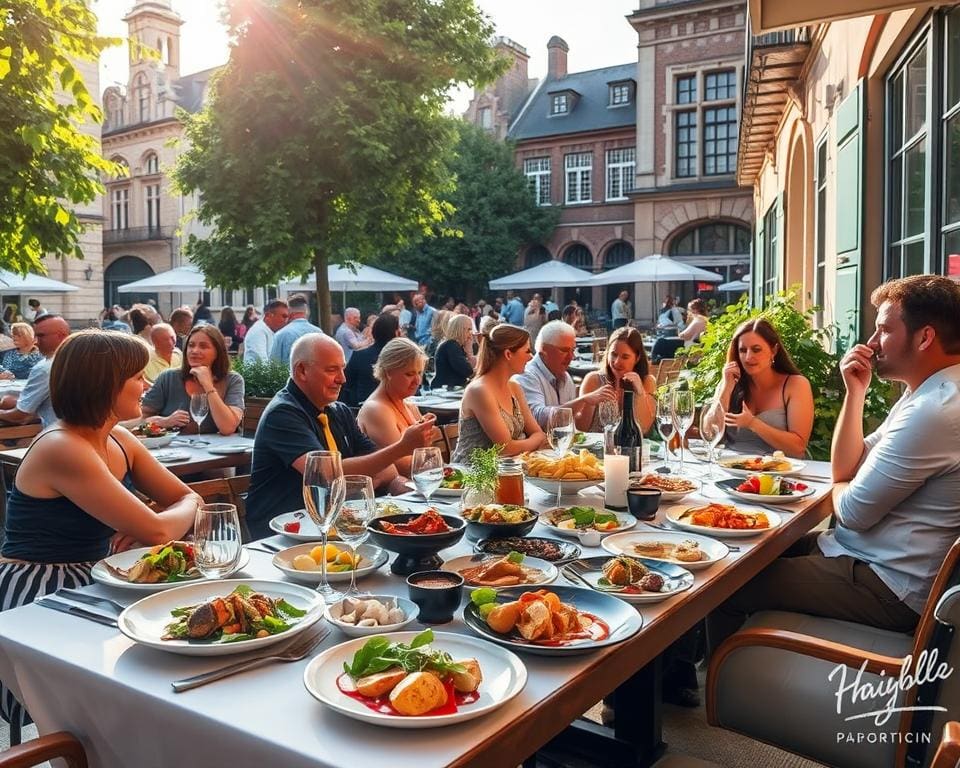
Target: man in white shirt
{"x":620,"y":311}
{"x":258,"y":340}
{"x":298,"y":325}
{"x":895,"y":491}
{"x":349,"y":335}
{"x":547,"y":384}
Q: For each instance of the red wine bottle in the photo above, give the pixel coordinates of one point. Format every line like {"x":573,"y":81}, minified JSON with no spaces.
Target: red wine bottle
{"x":628,"y":437}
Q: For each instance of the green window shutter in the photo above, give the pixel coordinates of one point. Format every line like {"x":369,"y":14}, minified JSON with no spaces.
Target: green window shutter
{"x":757,"y":270}
{"x":846,"y":304}
{"x":849,"y":217}
{"x":780,"y":256}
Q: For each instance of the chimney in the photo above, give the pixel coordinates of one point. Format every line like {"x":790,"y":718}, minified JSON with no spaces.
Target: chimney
{"x":557,"y":58}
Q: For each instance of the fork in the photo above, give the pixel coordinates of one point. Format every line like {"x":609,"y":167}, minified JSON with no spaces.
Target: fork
{"x":297,"y":650}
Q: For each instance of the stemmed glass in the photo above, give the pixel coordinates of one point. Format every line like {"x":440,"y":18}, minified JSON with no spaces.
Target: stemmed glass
{"x":711,"y":430}
{"x":665,"y":424}
{"x":358,"y":509}
{"x":684,"y":407}
{"x":199,"y":408}
{"x":560,"y":435}
{"x":430,"y":373}
{"x":216,"y":535}
{"x":323,"y":491}
{"x":608,"y":413}
{"x":426,"y":469}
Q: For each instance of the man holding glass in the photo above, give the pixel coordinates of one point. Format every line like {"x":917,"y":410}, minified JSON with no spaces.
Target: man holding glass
{"x":305,"y":416}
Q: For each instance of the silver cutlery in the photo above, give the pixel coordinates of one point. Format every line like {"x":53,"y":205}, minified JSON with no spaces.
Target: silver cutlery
{"x":83,"y":597}
{"x":297,"y":650}
{"x":76,"y":610}
{"x":265,"y":546}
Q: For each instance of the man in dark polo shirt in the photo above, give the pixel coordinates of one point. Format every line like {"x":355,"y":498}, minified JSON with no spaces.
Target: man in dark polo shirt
{"x":291,"y":427}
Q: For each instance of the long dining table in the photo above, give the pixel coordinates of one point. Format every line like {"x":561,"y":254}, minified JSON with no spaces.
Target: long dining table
{"x":115,"y":695}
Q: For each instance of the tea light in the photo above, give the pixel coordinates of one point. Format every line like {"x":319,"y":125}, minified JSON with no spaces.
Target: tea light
{"x":616,"y":470}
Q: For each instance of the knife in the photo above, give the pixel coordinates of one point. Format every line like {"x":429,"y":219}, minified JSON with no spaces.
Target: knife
{"x":83,"y":597}
{"x":76,"y":610}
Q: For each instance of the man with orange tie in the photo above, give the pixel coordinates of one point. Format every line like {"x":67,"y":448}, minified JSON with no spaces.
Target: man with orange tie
{"x":305,"y":416}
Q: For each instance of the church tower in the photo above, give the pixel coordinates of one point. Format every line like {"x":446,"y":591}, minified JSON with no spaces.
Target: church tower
{"x":152,"y":25}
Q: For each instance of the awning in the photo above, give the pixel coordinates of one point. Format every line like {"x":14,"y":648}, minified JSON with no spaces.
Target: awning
{"x":11,"y":282}
{"x":769,"y":15}
{"x":355,"y":277}
{"x":655,"y":269}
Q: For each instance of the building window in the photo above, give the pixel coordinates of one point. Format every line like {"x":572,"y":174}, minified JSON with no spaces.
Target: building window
{"x":153,"y":206}
{"x":686,"y":89}
{"x":152,"y":164}
{"x":485,"y":118}
{"x":537,"y":255}
{"x":619,"y":94}
{"x":720,"y":86}
{"x":559,"y":104}
{"x":579,"y":168}
{"x":820,"y":275}
{"x":143,"y":98}
{"x":578,"y":255}
{"x":771,"y":262}
{"x":713,"y":240}
{"x":951,"y":146}
{"x":120,"y":208}
{"x":685,"y":143}
{"x":537,"y":171}
{"x":621,"y":169}
{"x":719,"y":140}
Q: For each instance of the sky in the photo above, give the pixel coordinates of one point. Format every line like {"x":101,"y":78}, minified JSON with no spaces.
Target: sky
{"x":596,"y":31}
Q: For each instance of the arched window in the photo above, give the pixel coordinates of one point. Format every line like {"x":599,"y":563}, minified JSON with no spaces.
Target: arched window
{"x":537,"y":255}
{"x":579,"y":255}
{"x":617,"y":255}
{"x":712,"y":240}
{"x":142,"y":94}
{"x":151,"y":163}
{"x":125,"y":270}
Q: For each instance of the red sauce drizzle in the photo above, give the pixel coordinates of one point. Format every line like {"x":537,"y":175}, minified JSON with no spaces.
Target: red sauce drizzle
{"x":597,"y":631}
{"x":382,"y":705}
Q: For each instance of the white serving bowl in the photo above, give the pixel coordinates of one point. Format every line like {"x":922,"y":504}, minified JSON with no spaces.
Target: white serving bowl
{"x":334,"y":611}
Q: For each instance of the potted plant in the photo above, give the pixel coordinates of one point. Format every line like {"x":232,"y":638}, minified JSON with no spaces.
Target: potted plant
{"x":262,"y":380}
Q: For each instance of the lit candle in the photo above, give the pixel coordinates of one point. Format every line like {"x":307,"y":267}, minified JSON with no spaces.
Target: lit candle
{"x":616,"y":470}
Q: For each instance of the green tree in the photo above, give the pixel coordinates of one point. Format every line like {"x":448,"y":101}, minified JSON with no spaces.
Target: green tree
{"x":47,"y":164}
{"x":494,"y":215}
{"x":324,"y":139}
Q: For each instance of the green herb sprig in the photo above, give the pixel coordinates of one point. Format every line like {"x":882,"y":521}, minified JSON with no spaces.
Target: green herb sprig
{"x":482,"y":474}
{"x":378,"y":655}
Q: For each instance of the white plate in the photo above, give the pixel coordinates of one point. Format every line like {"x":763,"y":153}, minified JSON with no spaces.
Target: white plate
{"x":372,"y":558}
{"x":670,"y":495}
{"x":441,"y":491}
{"x":622,"y":544}
{"x":549,"y":570}
{"x":626,"y":523}
{"x":675,"y":579}
{"x":335,"y":611}
{"x":725,"y":533}
{"x":156,"y":442}
{"x":228,"y":450}
{"x":504,"y":676}
{"x":308,"y":529}
{"x":795,"y":467}
{"x":126,"y":559}
{"x":729,"y":487}
{"x":145,"y":620}
{"x":174,"y":455}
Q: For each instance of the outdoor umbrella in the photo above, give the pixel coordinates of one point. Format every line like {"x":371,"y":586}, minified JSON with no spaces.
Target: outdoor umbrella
{"x":179,"y":280}
{"x":550,"y":274}
{"x":354,"y":277}
{"x":743,"y":284}
{"x":12,"y":282}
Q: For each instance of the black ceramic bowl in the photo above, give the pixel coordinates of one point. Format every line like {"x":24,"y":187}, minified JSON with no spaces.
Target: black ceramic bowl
{"x":415,"y":551}
{"x":478,"y":531}
{"x":437,"y":594}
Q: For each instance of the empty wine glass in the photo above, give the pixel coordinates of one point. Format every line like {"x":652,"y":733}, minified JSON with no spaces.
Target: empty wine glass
{"x":430,"y":373}
{"x":216,"y":534}
{"x":608,"y":412}
{"x":323,"y":492}
{"x":665,"y":424}
{"x":426,"y":469}
{"x":711,"y":430}
{"x":560,"y":435}
{"x":199,"y":408}
{"x":684,"y":407}
{"x":358,"y":509}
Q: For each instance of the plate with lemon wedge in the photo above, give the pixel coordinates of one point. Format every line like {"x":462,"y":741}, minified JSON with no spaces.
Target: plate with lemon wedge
{"x":302,"y":562}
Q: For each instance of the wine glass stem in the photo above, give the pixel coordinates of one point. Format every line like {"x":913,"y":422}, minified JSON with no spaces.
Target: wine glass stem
{"x":323,"y":560}
{"x":681,"y":451}
{"x":353,"y":569}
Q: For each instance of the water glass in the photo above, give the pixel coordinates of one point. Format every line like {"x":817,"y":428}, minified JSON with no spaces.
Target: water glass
{"x":426,"y":469}
{"x":199,"y":408}
{"x":430,"y":373}
{"x":359,"y":508}
{"x":608,"y":413}
{"x":665,"y":424}
{"x":560,"y":431}
{"x":323,"y":492}
{"x":217,"y":544}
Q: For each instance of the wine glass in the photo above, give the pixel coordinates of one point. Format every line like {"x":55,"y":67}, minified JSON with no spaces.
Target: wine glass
{"x":665,"y":424}
{"x":323,"y":492}
{"x":199,"y":408}
{"x":358,"y":509}
{"x":711,"y":430}
{"x":608,"y":413}
{"x":560,"y":435}
{"x":430,"y":373}
{"x":216,"y":534}
{"x":426,"y":468}
{"x":684,"y":407}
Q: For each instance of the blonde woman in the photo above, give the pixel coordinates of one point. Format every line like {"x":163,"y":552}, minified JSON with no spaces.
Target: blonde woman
{"x":16,"y":363}
{"x":438,"y":330}
{"x":385,"y":414}
{"x":455,"y":360}
{"x":494,"y":410}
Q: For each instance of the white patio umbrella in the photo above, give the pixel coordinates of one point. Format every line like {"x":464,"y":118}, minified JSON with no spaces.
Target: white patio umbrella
{"x":357,"y":277}
{"x":12,"y":282}
{"x":178,"y":280}
{"x":743,"y":284}
{"x":550,"y":274}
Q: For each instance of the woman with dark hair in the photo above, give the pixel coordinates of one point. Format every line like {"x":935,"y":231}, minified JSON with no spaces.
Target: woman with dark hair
{"x":140,"y":324}
{"x":205,"y":370}
{"x":230,"y":328}
{"x":625,"y":366}
{"x":767,"y":402}
{"x":73,"y":497}
{"x":494,"y":410}
{"x":249,"y":318}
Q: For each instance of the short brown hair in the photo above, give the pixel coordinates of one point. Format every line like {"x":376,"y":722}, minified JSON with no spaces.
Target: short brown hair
{"x":926,"y":300}
{"x":88,"y":372}
{"x":221,"y":363}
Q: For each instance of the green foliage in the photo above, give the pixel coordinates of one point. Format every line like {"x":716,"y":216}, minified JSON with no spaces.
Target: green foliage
{"x":47,"y":164}
{"x":482,"y":474}
{"x":808,"y":346}
{"x":324,"y":139}
{"x":494,"y":215}
{"x":263,"y":378}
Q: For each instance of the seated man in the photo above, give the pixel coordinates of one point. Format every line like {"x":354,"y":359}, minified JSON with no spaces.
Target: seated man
{"x":164,"y":354}
{"x":305,"y":416}
{"x":896,"y":490}
{"x":34,"y":401}
{"x":547,"y":384}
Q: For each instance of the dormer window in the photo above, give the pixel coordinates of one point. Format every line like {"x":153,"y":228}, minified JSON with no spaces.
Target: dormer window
{"x":620,"y":94}
{"x":560,"y":104}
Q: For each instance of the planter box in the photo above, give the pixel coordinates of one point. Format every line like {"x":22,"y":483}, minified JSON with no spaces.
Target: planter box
{"x":252,"y":411}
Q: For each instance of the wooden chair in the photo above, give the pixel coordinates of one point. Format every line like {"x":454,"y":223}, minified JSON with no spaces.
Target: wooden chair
{"x":252,"y":411}
{"x":227,"y":490}
{"x":669,"y":371}
{"x":451,"y":433}
{"x":785,"y":668}
{"x":60,"y":745}
{"x":19,"y":436}
{"x":948,"y":753}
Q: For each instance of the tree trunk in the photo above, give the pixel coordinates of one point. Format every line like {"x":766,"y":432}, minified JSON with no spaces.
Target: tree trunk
{"x":323,"y":292}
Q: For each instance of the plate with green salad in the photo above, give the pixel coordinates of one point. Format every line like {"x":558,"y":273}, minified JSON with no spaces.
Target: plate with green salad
{"x":154,"y":569}
{"x":221,"y":617}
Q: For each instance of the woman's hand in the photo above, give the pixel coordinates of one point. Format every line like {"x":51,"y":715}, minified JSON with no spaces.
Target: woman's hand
{"x":175,"y":420}
{"x":635,"y":381}
{"x":120,"y":542}
{"x":6,"y":375}
{"x":731,"y":374}
{"x":743,"y":419}
{"x":204,"y":377}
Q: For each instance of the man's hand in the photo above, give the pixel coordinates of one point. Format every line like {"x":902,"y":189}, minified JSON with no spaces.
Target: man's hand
{"x":857,"y":370}
{"x":606,"y":393}
{"x":742,"y":420}
{"x":175,"y":420}
{"x":419,"y":435}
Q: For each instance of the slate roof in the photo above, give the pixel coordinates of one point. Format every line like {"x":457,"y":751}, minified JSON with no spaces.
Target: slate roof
{"x":591,"y":112}
{"x":191,"y":88}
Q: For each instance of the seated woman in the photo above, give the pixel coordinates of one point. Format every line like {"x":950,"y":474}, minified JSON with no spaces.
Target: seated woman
{"x":73,"y":494}
{"x":205,"y":370}
{"x":494,"y":410}
{"x":438,"y":330}
{"x":696,"y":322}
{"x":625,"y":365}
{"x":386,"y":414}
{"x":455,"y":360}
{"x":670,"y":319}
{"x":768,"y":403}
{"x":17,"y":363}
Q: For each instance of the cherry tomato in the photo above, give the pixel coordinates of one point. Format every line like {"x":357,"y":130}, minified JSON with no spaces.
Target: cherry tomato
{"x":293,"y":527}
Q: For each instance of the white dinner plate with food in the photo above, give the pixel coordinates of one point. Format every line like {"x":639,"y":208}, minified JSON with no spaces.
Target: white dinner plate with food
{"x":371,"y":558}
{"x":441,"y":491}
{"x":672,"y":487}
{"x":171,"y":456}
{"x":624,"y":522}
{"x":592,"y":572}
{"x":677,"y":548}
{"x":504,"y":676}
{"x":744,"y":466}
{"x":147,"y":621}
{"x":682,"y":518}
{"x":296,"y":525}
{"x":796,"y":491}
{"x":229,"y":449}
{"x":105,"y":571}
{"x":529,"y":572}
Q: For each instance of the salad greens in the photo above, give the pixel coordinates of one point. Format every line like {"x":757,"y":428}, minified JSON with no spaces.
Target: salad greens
{"x":174,"y":563}
{"x":378,"y":655}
